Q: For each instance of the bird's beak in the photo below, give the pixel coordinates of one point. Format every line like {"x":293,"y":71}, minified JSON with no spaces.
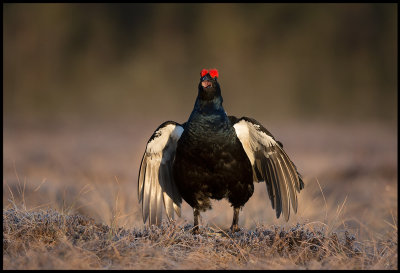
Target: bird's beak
{"x":206,"y":81}
{"x":206,"y":84}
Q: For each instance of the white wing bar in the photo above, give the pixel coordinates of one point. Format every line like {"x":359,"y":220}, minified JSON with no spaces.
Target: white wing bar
{"x":156,"y":187}
{"x":270,"y":164}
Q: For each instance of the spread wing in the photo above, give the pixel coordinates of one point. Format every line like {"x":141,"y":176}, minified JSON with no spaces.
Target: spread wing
{"x":156,"y":186}
{"x":270,"y":164}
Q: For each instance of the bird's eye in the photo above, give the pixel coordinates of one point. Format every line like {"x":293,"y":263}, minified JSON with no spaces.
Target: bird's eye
{"x":213,"y":73}
{"x":203,"y":72}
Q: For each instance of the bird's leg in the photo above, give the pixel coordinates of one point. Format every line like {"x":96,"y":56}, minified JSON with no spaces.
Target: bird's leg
{"x":196,"y":215}
{"x":235,"y":221}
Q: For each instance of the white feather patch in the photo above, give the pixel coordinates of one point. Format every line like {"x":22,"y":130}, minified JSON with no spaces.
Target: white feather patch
{"x":163,"y":134}
{"x":251,"y":137}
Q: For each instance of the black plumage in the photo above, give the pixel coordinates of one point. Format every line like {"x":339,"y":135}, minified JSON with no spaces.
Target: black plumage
{"x":213,"y":156}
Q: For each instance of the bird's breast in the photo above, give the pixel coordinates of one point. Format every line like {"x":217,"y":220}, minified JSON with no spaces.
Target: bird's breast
{"x":209,"y":161}
{"x":211,"y":133}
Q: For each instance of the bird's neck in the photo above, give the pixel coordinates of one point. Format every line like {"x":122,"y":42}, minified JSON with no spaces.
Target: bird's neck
{"x":208,"y":118}
{"x":209,"y":106}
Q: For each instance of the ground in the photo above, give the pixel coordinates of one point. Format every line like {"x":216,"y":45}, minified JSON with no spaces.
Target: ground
{"x":70,"y":202}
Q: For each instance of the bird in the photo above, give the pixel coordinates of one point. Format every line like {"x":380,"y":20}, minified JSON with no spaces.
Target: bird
{"x":213,"y":156}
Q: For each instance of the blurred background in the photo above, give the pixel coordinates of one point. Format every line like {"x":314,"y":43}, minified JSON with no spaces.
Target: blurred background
{"x":85,"y":86}
{"x":122,"y":60}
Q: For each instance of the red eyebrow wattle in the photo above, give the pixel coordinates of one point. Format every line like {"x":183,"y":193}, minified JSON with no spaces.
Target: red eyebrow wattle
{"x":213,"y":73}
{"x":204,"y":72}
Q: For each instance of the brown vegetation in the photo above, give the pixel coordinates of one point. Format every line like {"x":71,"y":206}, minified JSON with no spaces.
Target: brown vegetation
{"x":70,"y":202}
{"x":46,"y":240}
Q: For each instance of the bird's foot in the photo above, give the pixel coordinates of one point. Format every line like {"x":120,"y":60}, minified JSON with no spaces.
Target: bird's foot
{"x":196,"y":230}
{"x":235,"y":228}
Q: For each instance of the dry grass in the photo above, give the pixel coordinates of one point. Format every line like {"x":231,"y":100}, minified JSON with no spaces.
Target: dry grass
{"x":47,"y":239}
{"x":70,"y":202}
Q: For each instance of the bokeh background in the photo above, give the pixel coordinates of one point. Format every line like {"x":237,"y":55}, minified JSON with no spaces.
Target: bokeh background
{"x":85,"y":86}
{"x":123,"y":60}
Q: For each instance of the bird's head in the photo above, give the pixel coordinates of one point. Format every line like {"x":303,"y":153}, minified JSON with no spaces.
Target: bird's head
{"x":208,"y":86}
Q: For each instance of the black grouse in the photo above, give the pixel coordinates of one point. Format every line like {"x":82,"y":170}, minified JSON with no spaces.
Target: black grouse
{"x":213,"y":156}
